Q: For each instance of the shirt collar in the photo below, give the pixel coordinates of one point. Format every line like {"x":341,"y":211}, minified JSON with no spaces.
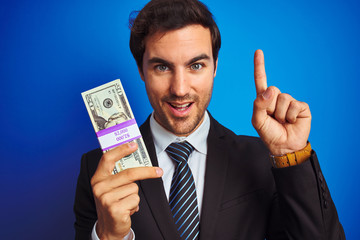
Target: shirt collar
{"x":163,"y":138}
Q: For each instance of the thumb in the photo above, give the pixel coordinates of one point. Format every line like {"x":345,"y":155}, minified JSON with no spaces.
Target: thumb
{"x":267,"y":96}
{"x":108,"y":160}
{"x":263,"y":106}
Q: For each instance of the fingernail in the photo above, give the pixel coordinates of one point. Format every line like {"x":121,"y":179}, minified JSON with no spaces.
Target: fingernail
{"x":132,"y":144}
{"x":159,"y":171}
{"x":267,"y":94}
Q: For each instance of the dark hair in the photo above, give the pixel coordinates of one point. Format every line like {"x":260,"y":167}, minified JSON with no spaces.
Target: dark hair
{"x":166,"y":15}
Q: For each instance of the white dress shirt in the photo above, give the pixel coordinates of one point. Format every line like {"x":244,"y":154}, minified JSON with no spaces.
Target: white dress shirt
{"x":197,"y":159}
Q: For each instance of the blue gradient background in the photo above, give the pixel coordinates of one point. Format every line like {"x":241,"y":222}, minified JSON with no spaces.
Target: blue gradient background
{"x":51,"y":51}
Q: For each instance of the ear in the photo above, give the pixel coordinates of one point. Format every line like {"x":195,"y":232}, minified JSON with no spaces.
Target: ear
{"x":141,"y":73}
{"x":216,"y":64}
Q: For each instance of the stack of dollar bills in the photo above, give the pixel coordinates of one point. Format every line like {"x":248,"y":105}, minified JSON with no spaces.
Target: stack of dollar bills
{"x":114,"y":123}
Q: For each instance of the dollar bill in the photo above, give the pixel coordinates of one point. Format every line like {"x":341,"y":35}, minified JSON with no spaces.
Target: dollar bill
{"x":114,"y":123}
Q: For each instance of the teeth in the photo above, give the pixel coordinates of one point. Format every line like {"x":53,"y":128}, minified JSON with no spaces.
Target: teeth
{"x":181,"y":105}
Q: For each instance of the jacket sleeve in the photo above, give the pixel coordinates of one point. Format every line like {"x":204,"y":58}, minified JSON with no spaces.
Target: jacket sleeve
{"x":306,"y":207}
{"x":84,"y":206}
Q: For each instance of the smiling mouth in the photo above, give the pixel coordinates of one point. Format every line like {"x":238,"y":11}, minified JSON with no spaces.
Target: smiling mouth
{"x":180,"y":107}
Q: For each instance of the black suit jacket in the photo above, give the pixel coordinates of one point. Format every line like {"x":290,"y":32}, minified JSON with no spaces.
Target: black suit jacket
{"x":244,"y":197}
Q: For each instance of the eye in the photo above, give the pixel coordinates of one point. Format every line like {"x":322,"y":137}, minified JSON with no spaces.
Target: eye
{"x":161,"y":68}
{"x":196,"y":66}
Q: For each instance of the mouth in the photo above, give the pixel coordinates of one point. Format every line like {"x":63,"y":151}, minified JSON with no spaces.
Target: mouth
{"x":180,"y":107}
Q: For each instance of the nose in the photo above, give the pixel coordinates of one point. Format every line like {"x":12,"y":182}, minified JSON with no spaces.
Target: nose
{"x":180,"y":84}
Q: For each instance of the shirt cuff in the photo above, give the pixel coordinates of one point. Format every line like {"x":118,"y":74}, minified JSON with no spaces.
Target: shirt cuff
{"x":129,"y":236}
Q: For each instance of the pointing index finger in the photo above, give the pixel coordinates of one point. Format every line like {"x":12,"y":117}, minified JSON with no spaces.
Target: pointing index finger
{"x":259,"y":72}
{"x":138,"y":173}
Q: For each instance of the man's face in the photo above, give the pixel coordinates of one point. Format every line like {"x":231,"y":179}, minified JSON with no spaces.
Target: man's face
{"x":178,"y":70}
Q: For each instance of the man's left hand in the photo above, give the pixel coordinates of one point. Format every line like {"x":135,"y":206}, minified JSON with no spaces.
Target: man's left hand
{"x":282,"y":122}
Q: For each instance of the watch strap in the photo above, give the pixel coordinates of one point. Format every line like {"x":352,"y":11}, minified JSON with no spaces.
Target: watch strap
{"x":292,"y":159}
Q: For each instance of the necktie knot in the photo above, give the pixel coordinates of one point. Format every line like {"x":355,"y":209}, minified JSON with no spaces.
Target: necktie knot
{"x":179,"y":151}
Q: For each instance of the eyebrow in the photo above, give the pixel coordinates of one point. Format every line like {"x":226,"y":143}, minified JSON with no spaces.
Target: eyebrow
{"x":163,"y":61}
{"x":160,"y":60}
{"x":197,"y":58}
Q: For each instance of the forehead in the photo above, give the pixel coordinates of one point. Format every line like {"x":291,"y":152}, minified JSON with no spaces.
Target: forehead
{"x":180,"y":44}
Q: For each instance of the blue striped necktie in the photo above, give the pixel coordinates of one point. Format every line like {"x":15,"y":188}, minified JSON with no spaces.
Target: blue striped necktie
{"x":182,"y":200}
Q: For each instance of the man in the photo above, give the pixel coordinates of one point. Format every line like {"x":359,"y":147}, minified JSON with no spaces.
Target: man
{"x":236,"y":192}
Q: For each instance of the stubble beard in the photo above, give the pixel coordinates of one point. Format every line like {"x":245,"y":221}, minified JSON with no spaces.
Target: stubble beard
{"x":181,"y":126}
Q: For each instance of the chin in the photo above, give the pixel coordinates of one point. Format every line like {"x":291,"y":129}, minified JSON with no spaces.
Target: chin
{"x":182,"y":127}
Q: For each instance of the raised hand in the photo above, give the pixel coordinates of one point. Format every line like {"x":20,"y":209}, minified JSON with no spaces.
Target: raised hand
{"x":116,"y":196}
{"x":282,"y":122}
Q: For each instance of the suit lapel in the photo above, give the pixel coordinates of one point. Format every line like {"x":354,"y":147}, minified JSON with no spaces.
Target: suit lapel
{"x":215,"y":173}
{"x":154,"y":192}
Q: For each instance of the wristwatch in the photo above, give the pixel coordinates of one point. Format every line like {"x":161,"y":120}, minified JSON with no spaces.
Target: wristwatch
{"x":291,"y":159}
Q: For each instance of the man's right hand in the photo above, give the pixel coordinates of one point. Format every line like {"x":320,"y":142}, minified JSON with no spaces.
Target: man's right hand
{"x":116,"y":196}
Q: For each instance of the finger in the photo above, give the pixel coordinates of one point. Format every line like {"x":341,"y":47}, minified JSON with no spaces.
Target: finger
{"x":259,"y":72}
{"x":282,"y":105}
{"x":121,"y":210}
{"x":107,"y":162}
{"x":131,"y":175}
{"x":125,"y":177}
{"x":109,"y":196}
{"x":297,"y":110}
{"x":264,"y":106}
{"x":128,"y":205}
{"x":134,"y":210}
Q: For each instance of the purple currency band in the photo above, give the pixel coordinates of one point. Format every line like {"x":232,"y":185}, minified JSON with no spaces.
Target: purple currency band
{"x":122,"y":128}
{"x":116,"y":127}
